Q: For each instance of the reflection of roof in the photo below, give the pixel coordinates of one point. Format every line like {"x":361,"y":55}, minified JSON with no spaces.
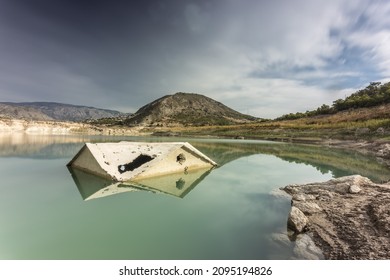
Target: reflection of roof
{"x":179,"y":185}
{"x":129,"y":160}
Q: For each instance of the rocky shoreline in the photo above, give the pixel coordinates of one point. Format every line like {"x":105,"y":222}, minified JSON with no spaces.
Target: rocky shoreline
{"x":347,"y":217}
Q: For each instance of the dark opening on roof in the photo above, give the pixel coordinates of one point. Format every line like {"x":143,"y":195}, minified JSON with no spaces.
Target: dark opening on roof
{"x":137,"y":162}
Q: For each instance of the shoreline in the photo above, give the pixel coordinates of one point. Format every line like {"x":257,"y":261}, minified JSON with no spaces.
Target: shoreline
{"x":377,"y":147}
{"x":63,"y":128}
{"x":347,"y":218}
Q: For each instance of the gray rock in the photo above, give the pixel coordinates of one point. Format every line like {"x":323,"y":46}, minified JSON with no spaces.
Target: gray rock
{"x":307,"y":207}
{"x":324,"y":195}
{"x":342,"y":185}
{"x":297,"y":221}
{"x":299,"y":197}
{"x":349,"y":226}
{"x":360,"y":180}
{"x":291,"y":189}
{"x":354,"y":189}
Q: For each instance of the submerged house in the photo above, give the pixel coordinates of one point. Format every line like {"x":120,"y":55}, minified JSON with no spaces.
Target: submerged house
{"x":134,"y":161}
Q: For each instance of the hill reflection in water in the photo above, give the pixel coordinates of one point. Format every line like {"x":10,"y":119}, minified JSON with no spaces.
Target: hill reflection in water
{"x":231,"y":212}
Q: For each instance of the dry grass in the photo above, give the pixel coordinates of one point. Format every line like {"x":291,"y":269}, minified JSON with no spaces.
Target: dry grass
{"x":343,"y":125}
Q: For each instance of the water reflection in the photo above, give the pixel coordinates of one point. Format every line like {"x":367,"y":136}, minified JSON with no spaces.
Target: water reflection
{"x":178,"y":185}
{"x":232,"y":212}
{"x":39,"y":146}
{"x":339,"y":162}
{"x":325,"y":159}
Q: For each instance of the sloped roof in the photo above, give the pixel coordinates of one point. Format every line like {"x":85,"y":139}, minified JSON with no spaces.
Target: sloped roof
{"x":111,"y":155}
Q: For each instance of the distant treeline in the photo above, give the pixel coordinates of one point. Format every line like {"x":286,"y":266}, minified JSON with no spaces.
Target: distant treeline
{"x":373,"y":95}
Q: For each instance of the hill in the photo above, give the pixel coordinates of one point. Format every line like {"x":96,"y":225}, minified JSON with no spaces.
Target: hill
{"x":188,"y":109}
{"x":14,"y":111}
{"x":373,"y":95}
{"x":53,"y":111}
{"x":354,"y":124}
{"x":364,"y":115}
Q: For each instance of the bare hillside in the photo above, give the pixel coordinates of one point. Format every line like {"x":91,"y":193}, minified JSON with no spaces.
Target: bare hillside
{"x":187,"y":109}
{"x":53,"y":111}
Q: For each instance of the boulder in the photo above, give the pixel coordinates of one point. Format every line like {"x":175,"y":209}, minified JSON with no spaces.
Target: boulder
{"x":352,"y":222}
{"x":354,"y":189}
{"x":299,"y":197}
{"x":307,"y":207}
{"x":343,"y":185}
{"x":297,"y":221}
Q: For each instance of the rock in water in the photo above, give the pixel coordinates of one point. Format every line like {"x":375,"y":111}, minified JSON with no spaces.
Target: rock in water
{"x":347,"y":217}
{"x":297,"y":221}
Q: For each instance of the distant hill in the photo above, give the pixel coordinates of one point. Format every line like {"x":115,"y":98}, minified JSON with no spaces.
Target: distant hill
{"x":53,"y":111}
{"x":12,"y":110}
{"x":187,"y":109}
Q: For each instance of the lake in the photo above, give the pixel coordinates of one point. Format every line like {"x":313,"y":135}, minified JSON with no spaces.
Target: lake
{"x":233,"y":212}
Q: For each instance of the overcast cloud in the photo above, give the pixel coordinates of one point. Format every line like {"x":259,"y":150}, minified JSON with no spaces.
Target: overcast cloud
{"x":264,"y":58}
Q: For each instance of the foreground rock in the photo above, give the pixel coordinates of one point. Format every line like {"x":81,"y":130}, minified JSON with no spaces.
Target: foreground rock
{"x":348,"y":217}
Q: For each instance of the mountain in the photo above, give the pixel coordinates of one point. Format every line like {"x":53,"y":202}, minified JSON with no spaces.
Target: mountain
{"x":12,"y":110}
{"x":186,"y":109}
{"x":53,"y":111}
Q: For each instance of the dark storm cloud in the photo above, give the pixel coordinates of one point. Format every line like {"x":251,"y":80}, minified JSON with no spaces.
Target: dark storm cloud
{"x":255,"y":56}
{"x":109,"y":44}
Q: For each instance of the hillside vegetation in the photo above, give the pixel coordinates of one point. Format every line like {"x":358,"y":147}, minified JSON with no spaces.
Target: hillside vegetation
{"x":362,"y":115}
{"x":373,"y":95}
{"x":186,"y":109}
{"x":362,"y":123}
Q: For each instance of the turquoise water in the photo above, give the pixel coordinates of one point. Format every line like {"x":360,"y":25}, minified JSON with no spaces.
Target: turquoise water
{"x":232,"y":213}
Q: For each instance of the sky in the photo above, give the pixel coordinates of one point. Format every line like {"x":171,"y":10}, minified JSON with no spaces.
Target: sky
{"x":265,"y":58}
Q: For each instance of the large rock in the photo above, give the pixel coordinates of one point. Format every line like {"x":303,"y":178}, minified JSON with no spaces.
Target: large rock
{"x":297,"y":221}
{"x":354,"y":189}
{"x":316,"y":190}
{"x":348,"y":217}
{"x":307,"y":207}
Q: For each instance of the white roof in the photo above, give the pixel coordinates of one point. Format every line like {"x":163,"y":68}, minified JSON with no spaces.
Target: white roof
{"x":111,"y":155}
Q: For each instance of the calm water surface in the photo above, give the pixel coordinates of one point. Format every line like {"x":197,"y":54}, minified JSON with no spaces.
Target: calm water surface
{"x":232,"y":213}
